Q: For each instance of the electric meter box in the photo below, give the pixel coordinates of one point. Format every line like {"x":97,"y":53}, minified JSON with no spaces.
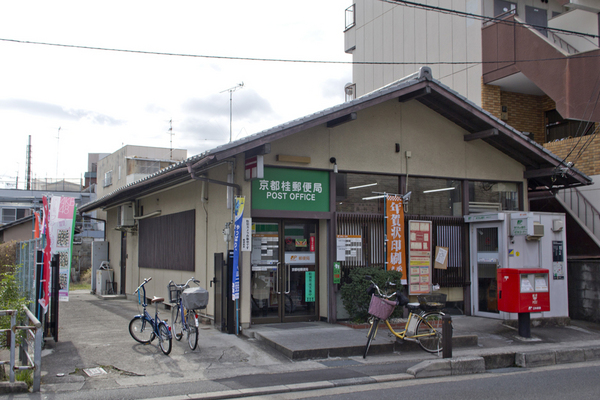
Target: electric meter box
{"x":523,"y":290}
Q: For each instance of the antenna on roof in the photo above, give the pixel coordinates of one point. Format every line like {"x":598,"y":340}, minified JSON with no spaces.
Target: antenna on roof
{"x":231,"y":90}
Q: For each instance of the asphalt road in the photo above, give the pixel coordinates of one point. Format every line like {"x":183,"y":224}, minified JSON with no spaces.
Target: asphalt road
{"x":567,"y":381}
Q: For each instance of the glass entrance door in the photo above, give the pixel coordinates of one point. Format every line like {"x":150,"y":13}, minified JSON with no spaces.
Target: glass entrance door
{"x":486,"y":255}
{"x":284,"y":271}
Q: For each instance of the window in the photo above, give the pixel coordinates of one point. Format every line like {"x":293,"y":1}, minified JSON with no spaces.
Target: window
{"x":108,"y":178}
{"x":355,"y":192}
{"x":493,"y":196}
{"x":350,"y":20}
{"x":350,"y":91}
{"x":146,"y":167}
{"x":558,"y":128}
{"x":167,"y":242}
{"x":9,"y":215}
{"x":433,"y":196}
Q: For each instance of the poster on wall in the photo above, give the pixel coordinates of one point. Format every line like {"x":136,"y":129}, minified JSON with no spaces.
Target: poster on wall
{"x":349,"y":248}
{"x":61,"y":227}
{"x":394,"y":227}
{"x":558,"y":263}
{"x":419,"y":257}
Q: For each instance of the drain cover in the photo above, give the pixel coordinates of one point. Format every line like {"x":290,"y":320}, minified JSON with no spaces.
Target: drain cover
{"x":94,"y":371}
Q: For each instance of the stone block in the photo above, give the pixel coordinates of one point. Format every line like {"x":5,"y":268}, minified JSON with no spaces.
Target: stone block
{"x":566,"y":356}
{"x":467,"y":365}
{"x":431,"y":368}
{"x":535,"y":359}
{"x":591,"y":353}
{"x":501,"y":360}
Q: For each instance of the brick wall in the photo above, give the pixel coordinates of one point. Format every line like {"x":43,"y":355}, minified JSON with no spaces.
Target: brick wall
{"x":525,"y":112}
{"x":491,"y":99}
{"x":588,"y":161}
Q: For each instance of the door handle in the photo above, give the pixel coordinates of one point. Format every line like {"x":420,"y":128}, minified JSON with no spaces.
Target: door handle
{"x":277,"y":279}
{"x":289,"y":286}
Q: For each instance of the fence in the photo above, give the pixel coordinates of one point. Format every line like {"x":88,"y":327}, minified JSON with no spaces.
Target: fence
{"x":33,"y":339}
{"x":450,"y":232}
{"x":26,"y":260}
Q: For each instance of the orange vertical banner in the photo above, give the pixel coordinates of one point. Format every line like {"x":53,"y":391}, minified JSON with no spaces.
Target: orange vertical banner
{"x":394,"y":221}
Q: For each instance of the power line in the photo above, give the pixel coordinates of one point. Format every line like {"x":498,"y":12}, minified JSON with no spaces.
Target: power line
{"x":483,"y":17}
{"x":233,"y":58}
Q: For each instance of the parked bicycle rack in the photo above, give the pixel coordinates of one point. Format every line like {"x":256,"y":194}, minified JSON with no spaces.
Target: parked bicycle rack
{"x":34,"y":333}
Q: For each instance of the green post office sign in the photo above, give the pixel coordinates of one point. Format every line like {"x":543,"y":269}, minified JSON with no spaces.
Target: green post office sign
{"x":291,"y":190}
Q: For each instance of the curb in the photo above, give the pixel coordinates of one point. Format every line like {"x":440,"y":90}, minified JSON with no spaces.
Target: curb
{"x":425,"y":369}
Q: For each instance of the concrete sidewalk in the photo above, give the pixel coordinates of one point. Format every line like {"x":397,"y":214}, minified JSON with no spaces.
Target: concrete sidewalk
{"x":95,"y":352}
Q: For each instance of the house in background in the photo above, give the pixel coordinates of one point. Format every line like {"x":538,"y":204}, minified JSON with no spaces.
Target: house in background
{"x":131,"y":163}
{"x":534,"y":65}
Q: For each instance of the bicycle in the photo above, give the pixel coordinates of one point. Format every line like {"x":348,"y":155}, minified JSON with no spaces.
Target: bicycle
{"x":183,"y":320}
{"x":423,"y":327}
{"x":144,"y":329}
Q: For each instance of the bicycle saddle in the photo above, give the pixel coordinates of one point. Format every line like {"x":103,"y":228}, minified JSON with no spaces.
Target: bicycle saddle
{"x":157,"y":299}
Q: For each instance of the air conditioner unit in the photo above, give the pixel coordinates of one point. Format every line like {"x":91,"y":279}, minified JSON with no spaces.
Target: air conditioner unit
{"x":538,"y":232}
{"x":125,"y":215}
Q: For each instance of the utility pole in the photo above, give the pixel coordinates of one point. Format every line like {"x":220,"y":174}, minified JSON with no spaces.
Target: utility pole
{"x":171,"y":134}
{"x":28,"y":174}
{"x":57,"y":148}
{"x":231,"y":90}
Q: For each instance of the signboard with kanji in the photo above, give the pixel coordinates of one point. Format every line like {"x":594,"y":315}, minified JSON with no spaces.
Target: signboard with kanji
{"x":419,"y":257}
{"x":394,"y":227}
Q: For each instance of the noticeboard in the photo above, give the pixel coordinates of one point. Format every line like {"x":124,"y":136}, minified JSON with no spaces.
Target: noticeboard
{"x":419,"y":257}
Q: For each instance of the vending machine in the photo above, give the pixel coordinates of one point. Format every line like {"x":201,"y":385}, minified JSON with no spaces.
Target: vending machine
{"x":518,"y":260}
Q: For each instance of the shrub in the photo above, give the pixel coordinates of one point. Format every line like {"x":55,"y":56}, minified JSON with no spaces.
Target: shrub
{"x":11,"y":298}
{"x":354,"y":294}
{"x":8,"y":256}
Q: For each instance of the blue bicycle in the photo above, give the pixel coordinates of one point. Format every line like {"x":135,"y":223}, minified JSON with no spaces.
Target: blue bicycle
{"x":144,"y":329}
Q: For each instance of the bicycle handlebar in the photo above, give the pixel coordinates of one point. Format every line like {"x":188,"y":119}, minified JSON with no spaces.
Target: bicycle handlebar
{"x":187,"y":284}
{"x":145,"y":281}
{"x":381,"y":294}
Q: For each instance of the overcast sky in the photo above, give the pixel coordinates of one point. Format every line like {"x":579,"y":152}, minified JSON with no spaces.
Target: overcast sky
{"x":102,"y":100}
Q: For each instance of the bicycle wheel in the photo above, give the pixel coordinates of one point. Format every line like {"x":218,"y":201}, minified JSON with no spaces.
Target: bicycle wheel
{"x":177,"y":322}
{"x":141,"y":330}
{"x":430,"y":325}
{"x":164,"y":341}
{"x":192,"y":330}
{"x":371,"y":335}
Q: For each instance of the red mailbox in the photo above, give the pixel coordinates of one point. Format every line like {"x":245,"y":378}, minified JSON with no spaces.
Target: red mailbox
{"x":523,"y":290}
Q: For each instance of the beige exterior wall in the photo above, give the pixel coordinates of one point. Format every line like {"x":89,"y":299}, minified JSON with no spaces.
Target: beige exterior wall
{"x":19,"y":232}
{"x":368,"y":144}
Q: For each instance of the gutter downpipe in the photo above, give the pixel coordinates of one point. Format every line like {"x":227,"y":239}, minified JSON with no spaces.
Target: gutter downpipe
{"x":238,"y":190}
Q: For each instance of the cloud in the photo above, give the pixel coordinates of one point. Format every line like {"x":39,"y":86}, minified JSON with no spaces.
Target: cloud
{"x":198,"y":129}
{"x":39,"y":108}
{"x":247,"y":103}
{"x":334,"y":88}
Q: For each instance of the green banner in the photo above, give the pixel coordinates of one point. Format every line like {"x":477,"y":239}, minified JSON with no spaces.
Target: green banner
{"x":337,"y":273}
{"x":291,"y":190}
{"x":309,"y":286}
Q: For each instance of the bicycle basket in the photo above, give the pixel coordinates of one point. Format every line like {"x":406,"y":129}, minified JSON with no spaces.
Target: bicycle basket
{"x":432,"y":302}
{"x":381,"y":308}
{"x":174,"y":293}
{"x":194,"y":298}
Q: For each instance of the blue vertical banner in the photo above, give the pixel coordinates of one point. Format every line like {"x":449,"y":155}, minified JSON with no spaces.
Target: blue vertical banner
{"x":237,"y":235}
